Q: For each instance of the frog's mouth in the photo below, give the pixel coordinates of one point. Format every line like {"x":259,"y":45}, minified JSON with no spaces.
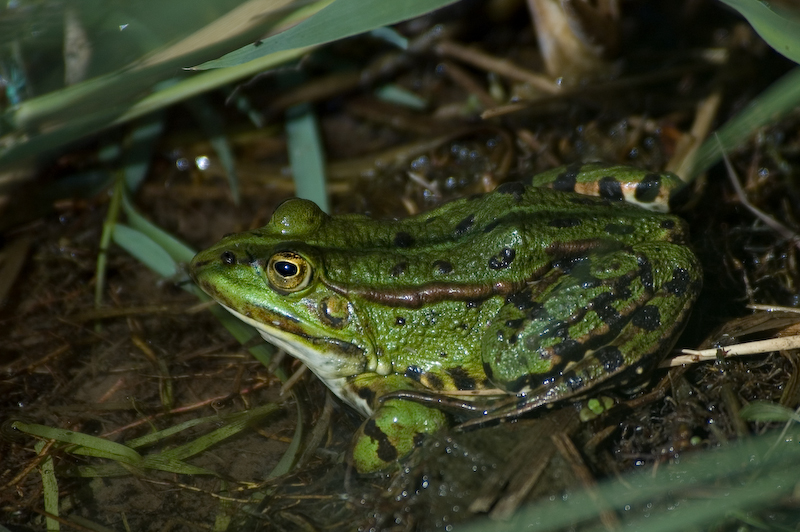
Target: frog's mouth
{"x":330,"y":358}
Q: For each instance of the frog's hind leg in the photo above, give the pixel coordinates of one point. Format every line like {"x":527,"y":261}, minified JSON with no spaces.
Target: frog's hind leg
{"x":597,"y":318}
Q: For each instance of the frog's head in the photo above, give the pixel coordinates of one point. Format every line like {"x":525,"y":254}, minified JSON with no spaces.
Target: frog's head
{"x":274,"y":279}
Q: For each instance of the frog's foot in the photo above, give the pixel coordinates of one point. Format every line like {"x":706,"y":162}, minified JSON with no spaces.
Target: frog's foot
{"x":392,"y":432}
{"x":598,"y":318}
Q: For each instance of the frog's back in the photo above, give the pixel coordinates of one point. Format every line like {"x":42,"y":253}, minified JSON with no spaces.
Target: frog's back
{"x":504,"y":237}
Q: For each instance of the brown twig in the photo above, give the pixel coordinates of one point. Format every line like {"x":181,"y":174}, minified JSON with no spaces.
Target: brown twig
{"x":502,"y":67}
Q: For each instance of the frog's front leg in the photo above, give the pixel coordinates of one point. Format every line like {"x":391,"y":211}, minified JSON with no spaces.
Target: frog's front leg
{"x":395,"y":426}
{"x":603,"y":316}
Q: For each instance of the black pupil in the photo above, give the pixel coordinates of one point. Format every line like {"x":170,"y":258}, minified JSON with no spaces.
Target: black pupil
{"x":285,"y":268}
{"x":228,"y":257}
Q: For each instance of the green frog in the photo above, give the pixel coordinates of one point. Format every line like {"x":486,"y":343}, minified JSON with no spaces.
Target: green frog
{"x":540,"y":291}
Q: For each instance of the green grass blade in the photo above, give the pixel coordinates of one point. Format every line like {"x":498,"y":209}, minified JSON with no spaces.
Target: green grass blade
{"x":64,"y":127}
{"x":754,"y":493}
{"x":765,"y":412}
{"x":225,"y":510}
{"x":129,"y":460}
{"x":234,"y":424}
{"x":49,"y":488}
{"x":777,"y":25}
{"x":85,"y":444}
{"x":105,"y":239}
{"x":145,"y":250}
{"x":292,"y":452}
{"x":152,"y":462}
{"x":741,"y":476}
{"x":398,"y":95}
{"x":103,"y":471}
{"x":177,"y":250}
{"x":161,"y":462}
{"x":342,"y":18}
{"x":306,"y":155}
{"x":155,"y":437}
{"x":151,"y":81}
{"x":391,"y":36}
{"x":777,"y":101}
{"x":160,"y":251}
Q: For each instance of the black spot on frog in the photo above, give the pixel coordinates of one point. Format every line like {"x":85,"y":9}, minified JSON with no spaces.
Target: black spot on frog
{"x":398,"y":269}
{"x":413,"y":373}
{"x":647,"y":189}
{"x":648,"y":318}
{"x":403,"y":239}
{"x":515,"y":188}
{"x":564,"y":223}
{"x":465,"y":225}
{"x":442,"y":267}
{"x":619,"y":229}
{"x":566,"y":180}
{"x":502,"y":260}
{"x":679,"y":283}
{"x":611,"y":358}
{"x":461,"y":378}
{"x":386,"y":451}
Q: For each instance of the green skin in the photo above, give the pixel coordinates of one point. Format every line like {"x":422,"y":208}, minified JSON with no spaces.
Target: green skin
{"x":533,"y":291}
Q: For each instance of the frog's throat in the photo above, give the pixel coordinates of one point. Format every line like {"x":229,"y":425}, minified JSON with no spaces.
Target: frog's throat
{"x":326,"y":364}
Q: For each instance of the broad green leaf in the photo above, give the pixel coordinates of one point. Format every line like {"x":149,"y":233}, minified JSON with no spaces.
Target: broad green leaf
{"x":778,"y":25}
{"x":45,"y":123}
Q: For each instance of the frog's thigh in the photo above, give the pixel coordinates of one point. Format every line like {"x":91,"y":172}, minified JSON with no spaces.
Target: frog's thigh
{"x":610,"y":313}
{"x":394,"y":428}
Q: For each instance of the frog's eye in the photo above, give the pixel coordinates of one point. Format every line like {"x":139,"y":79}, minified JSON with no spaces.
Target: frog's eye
{"x":288,"y":271}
